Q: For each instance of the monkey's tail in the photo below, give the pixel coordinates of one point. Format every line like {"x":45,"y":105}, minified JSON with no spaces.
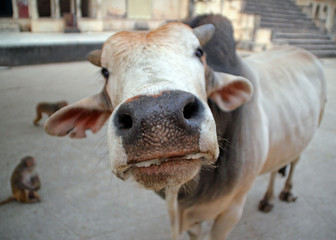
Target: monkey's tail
{"x":10,"y":199}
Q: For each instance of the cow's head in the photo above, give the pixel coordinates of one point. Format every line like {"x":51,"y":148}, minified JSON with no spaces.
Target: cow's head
{"x":160,"y":128}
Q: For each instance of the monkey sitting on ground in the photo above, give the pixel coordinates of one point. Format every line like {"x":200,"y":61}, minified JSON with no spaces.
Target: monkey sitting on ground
{"x":48,"y":108}
{"x":25,"y":182}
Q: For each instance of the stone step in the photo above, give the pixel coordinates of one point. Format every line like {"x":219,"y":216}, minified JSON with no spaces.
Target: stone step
{"x":273,"y":10}
{"x":285,"y":20}
{"x":272,"y":3}
{"x":305,"y":41}
{"x":288,"y":25}
{"x":291,"y":26}
{"x":9,"y":27}
{"x":313,"y":47}
{"x":266,"y":5}
{"x":324,"y":53}
{"x":297,"y":35}
{"x":296,"y":30}
{"x":283,"y":15}
{"x":277,"y":15}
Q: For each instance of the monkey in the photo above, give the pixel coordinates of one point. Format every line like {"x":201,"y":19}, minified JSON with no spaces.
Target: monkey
{"x":24,"y":182}
{"x":48,"y":108}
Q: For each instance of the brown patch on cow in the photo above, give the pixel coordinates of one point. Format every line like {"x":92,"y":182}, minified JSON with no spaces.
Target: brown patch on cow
{"x":118,"y":47}
{"x":136,"y":97}
{"x":157,"y":95}
{"x":132,"y":99}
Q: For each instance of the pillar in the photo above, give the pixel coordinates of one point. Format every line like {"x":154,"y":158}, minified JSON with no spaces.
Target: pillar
{"x":33,"y":12}
{"x":313,"y":10}
{"x":72,"y":6}
{"x":78,"y":9}
{"x":57,"y":8}
{"x":330,"y":17}
{"x":15,"y":9}
{"x":99,"y":9}
{"x":52,"y":8}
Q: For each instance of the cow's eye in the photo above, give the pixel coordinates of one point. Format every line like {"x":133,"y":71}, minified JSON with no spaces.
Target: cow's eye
{"x":105,"y":73}
{"x":199,"y":52}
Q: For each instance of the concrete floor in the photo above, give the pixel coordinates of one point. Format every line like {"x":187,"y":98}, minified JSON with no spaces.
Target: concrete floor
{"x":19,"y":39}
{"x":82,"y":200}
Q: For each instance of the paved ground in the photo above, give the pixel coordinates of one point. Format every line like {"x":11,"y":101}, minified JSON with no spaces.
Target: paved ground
{"x":25,"y":48}
{"x":9,"y":39}
{"x":82,"y":200}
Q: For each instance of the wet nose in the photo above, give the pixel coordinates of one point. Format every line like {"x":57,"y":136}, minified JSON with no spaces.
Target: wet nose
{"x":163,"y":121}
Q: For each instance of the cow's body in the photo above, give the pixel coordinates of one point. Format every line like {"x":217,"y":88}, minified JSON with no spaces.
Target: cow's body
{"x":294,"y":99}
{"x":266,"y":109}
{"x":275,"y":127}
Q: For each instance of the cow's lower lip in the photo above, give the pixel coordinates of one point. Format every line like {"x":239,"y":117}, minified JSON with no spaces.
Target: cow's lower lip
{"x":168,"y":167}
{"x":156,"y":174}
{"x":158,"y":166}
{"x":173,"y":172}
{"x":165,"y":166}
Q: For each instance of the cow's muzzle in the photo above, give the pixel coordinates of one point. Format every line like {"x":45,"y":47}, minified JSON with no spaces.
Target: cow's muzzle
{"x":159,"y":126}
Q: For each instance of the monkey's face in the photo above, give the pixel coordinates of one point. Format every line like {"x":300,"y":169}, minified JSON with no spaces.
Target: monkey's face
{"x":29,"y":162}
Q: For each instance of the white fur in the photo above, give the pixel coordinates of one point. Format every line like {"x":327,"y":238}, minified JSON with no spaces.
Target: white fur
{"x":277,"y":124}
{"x":151,"y":68}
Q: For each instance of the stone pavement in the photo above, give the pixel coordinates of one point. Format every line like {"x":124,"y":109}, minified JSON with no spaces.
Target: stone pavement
{"x":82,"y":200}
{"x":10,"y":39}
{"x":25,"y":48}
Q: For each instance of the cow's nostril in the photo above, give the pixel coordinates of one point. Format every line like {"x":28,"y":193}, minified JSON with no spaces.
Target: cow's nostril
{"x":124,"y":121}
{"x":191,"y":110}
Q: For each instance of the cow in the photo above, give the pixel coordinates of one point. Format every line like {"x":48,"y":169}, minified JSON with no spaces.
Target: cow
{"x":196,"y":123}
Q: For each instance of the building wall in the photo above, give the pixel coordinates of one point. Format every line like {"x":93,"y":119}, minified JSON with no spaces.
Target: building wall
{"x":170,"y":10}
{"x":114,"y":8}
{"x":323,"y":12}
{"x":139,"y":9}
{"x":107,"y":15}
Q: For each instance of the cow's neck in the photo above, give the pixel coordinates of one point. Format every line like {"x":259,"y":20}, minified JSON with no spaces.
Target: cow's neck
{"x":213,"y":181}
{"x":219,"y":180}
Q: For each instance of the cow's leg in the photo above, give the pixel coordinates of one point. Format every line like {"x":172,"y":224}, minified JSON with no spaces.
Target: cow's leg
{"x":225,"y":221}
{"x":195,"y":232}
{"x":173,"y":211}
{"x":286,"y":194}
{"x":265,"y":205}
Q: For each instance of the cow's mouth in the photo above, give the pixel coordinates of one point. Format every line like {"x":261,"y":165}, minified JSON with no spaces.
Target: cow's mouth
{"x":168,"y":165}
{"x":159,"y":171}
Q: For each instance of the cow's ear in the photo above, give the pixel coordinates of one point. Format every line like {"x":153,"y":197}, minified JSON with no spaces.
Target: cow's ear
{"x":75,"y":119}
{"x":94,"y":57}
{"x":229,"y":91}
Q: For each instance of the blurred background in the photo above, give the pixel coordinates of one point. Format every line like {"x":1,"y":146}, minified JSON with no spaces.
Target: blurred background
{"x":43,"y":45}
{"x":258,"y":25}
